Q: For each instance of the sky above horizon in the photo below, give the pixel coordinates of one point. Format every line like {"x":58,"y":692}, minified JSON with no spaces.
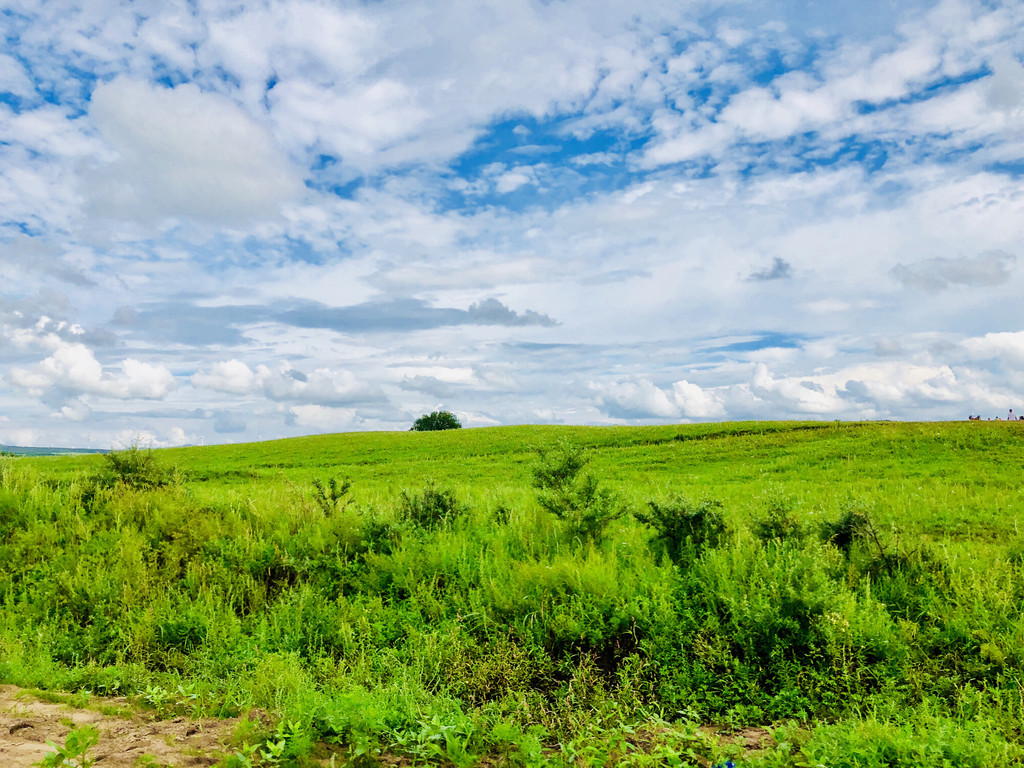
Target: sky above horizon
{"x":231,"y":221}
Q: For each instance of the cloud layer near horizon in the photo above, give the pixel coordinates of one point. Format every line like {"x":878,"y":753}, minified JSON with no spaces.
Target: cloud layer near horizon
{"x":225,"y":222}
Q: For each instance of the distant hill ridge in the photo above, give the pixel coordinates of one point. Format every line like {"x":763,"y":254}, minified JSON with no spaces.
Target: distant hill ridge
{"x":20,"y":450}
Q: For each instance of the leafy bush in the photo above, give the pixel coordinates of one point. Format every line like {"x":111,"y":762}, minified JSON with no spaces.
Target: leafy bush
{"x":137,"y":468}
{"x":777,"y":522}
{"x":682,"y":527}
{"x":432,"y":508}
{"x":329,"y":496}
{"x":852,"y":526}
{"x":570,"y":495}
{"x":436,"y":420}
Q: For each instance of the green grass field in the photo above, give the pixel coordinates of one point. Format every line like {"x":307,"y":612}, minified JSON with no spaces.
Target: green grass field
{"x":853,"y":588}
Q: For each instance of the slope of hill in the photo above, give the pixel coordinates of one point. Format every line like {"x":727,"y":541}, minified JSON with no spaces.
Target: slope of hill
{"x":471,"y":597}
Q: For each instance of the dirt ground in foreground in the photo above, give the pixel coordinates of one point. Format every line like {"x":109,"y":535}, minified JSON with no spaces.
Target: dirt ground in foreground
{"x":133,"y":739}
{"x":27,"y":723}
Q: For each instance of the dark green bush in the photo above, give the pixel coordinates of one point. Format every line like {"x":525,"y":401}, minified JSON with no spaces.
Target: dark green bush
{"x":431,"y":508}
{"x":777,"y":522}
{"x":572,"y":496}
{"x":436,"y":420}
{"x":682,"y":528}
{"x":136,"y":468}
{"x":851,"y":527}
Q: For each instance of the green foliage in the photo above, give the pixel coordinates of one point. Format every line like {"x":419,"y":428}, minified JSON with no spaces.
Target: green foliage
{"x":431,"y":508}
{"x":564,"y":490}
{"x":136,"y":468}
{"x":455,"y":623}
{"x":330,"y":497}
{"x":72,"y":754}
{"x":436,"y":420}
{"x":683,"y":528}
{"x":776,"y":522}
{"x":852,"y":526}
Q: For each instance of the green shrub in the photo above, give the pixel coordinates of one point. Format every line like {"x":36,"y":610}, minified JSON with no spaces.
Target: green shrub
{"x":431,"y":508}
{"x":572,"y":496}
{"x":851,"y":527}
{"x":136,"y":468}
{"x":683,"y":528}
{"x":330,"y":497}
{"x":777,"y":522}
{"x":435,"y":421}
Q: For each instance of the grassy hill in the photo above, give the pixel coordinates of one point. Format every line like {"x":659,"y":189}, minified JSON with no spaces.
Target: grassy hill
{"x":855,"y":588}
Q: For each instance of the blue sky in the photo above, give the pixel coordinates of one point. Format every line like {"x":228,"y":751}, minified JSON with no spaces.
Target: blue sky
{"x":235,"y":221}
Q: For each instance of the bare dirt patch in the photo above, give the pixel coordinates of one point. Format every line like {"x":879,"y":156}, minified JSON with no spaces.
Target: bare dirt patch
{"x":126,"y":740}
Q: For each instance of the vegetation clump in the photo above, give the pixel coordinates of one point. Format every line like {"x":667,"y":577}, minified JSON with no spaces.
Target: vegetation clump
{"x":330,"y":497}
{"x":683,"y":529}
{"x":436,"y":420}
{"x":136,"y":468}
{"x":572,"y":495}
{"x":430,"y":508}
{"x":391,"y":620}
{"x":776,"y":522}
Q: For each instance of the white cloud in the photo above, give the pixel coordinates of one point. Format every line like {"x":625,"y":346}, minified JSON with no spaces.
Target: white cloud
{"x":230,"y":376}
{"x":641,"y":399}
{"x":1007,"y":346}
{"x":322,"y":386}
{"x":875,"y":389}
{"x":320,"y":418}
{"x":24,"y":436}
{"x":73,"y":367}
{"x":512,"y":180}
{"x":186,"y":153}
{"x":13,"y":77}
{"x":697,"y":403}
{"x":830,"y":99}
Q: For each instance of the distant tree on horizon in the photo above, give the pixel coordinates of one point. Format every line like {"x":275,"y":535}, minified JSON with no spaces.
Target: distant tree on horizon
{"x":436,"y":420}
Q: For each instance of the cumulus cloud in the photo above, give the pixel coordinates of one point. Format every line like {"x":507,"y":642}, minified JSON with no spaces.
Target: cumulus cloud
{"x":183,"y":152}
{"x":987,"y":269}
{"x":696,"y":402}
{"x":323,"y":386}
{"x":511,"y":180}
{"x":869,"y":389}
{"x":642,"y":399}
{"x":230,"y":376}
{"x":320,"y":418}
{"x":1007,"y":346}
{"x":73,"y":367}
{"x":367,"y":190}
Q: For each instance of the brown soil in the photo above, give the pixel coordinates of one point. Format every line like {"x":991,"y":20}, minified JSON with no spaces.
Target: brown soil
{"x":28,"y":722}
{"x":130,"y":739}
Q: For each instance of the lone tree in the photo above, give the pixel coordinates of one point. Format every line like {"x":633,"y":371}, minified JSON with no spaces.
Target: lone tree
{"x":436,"y":420}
